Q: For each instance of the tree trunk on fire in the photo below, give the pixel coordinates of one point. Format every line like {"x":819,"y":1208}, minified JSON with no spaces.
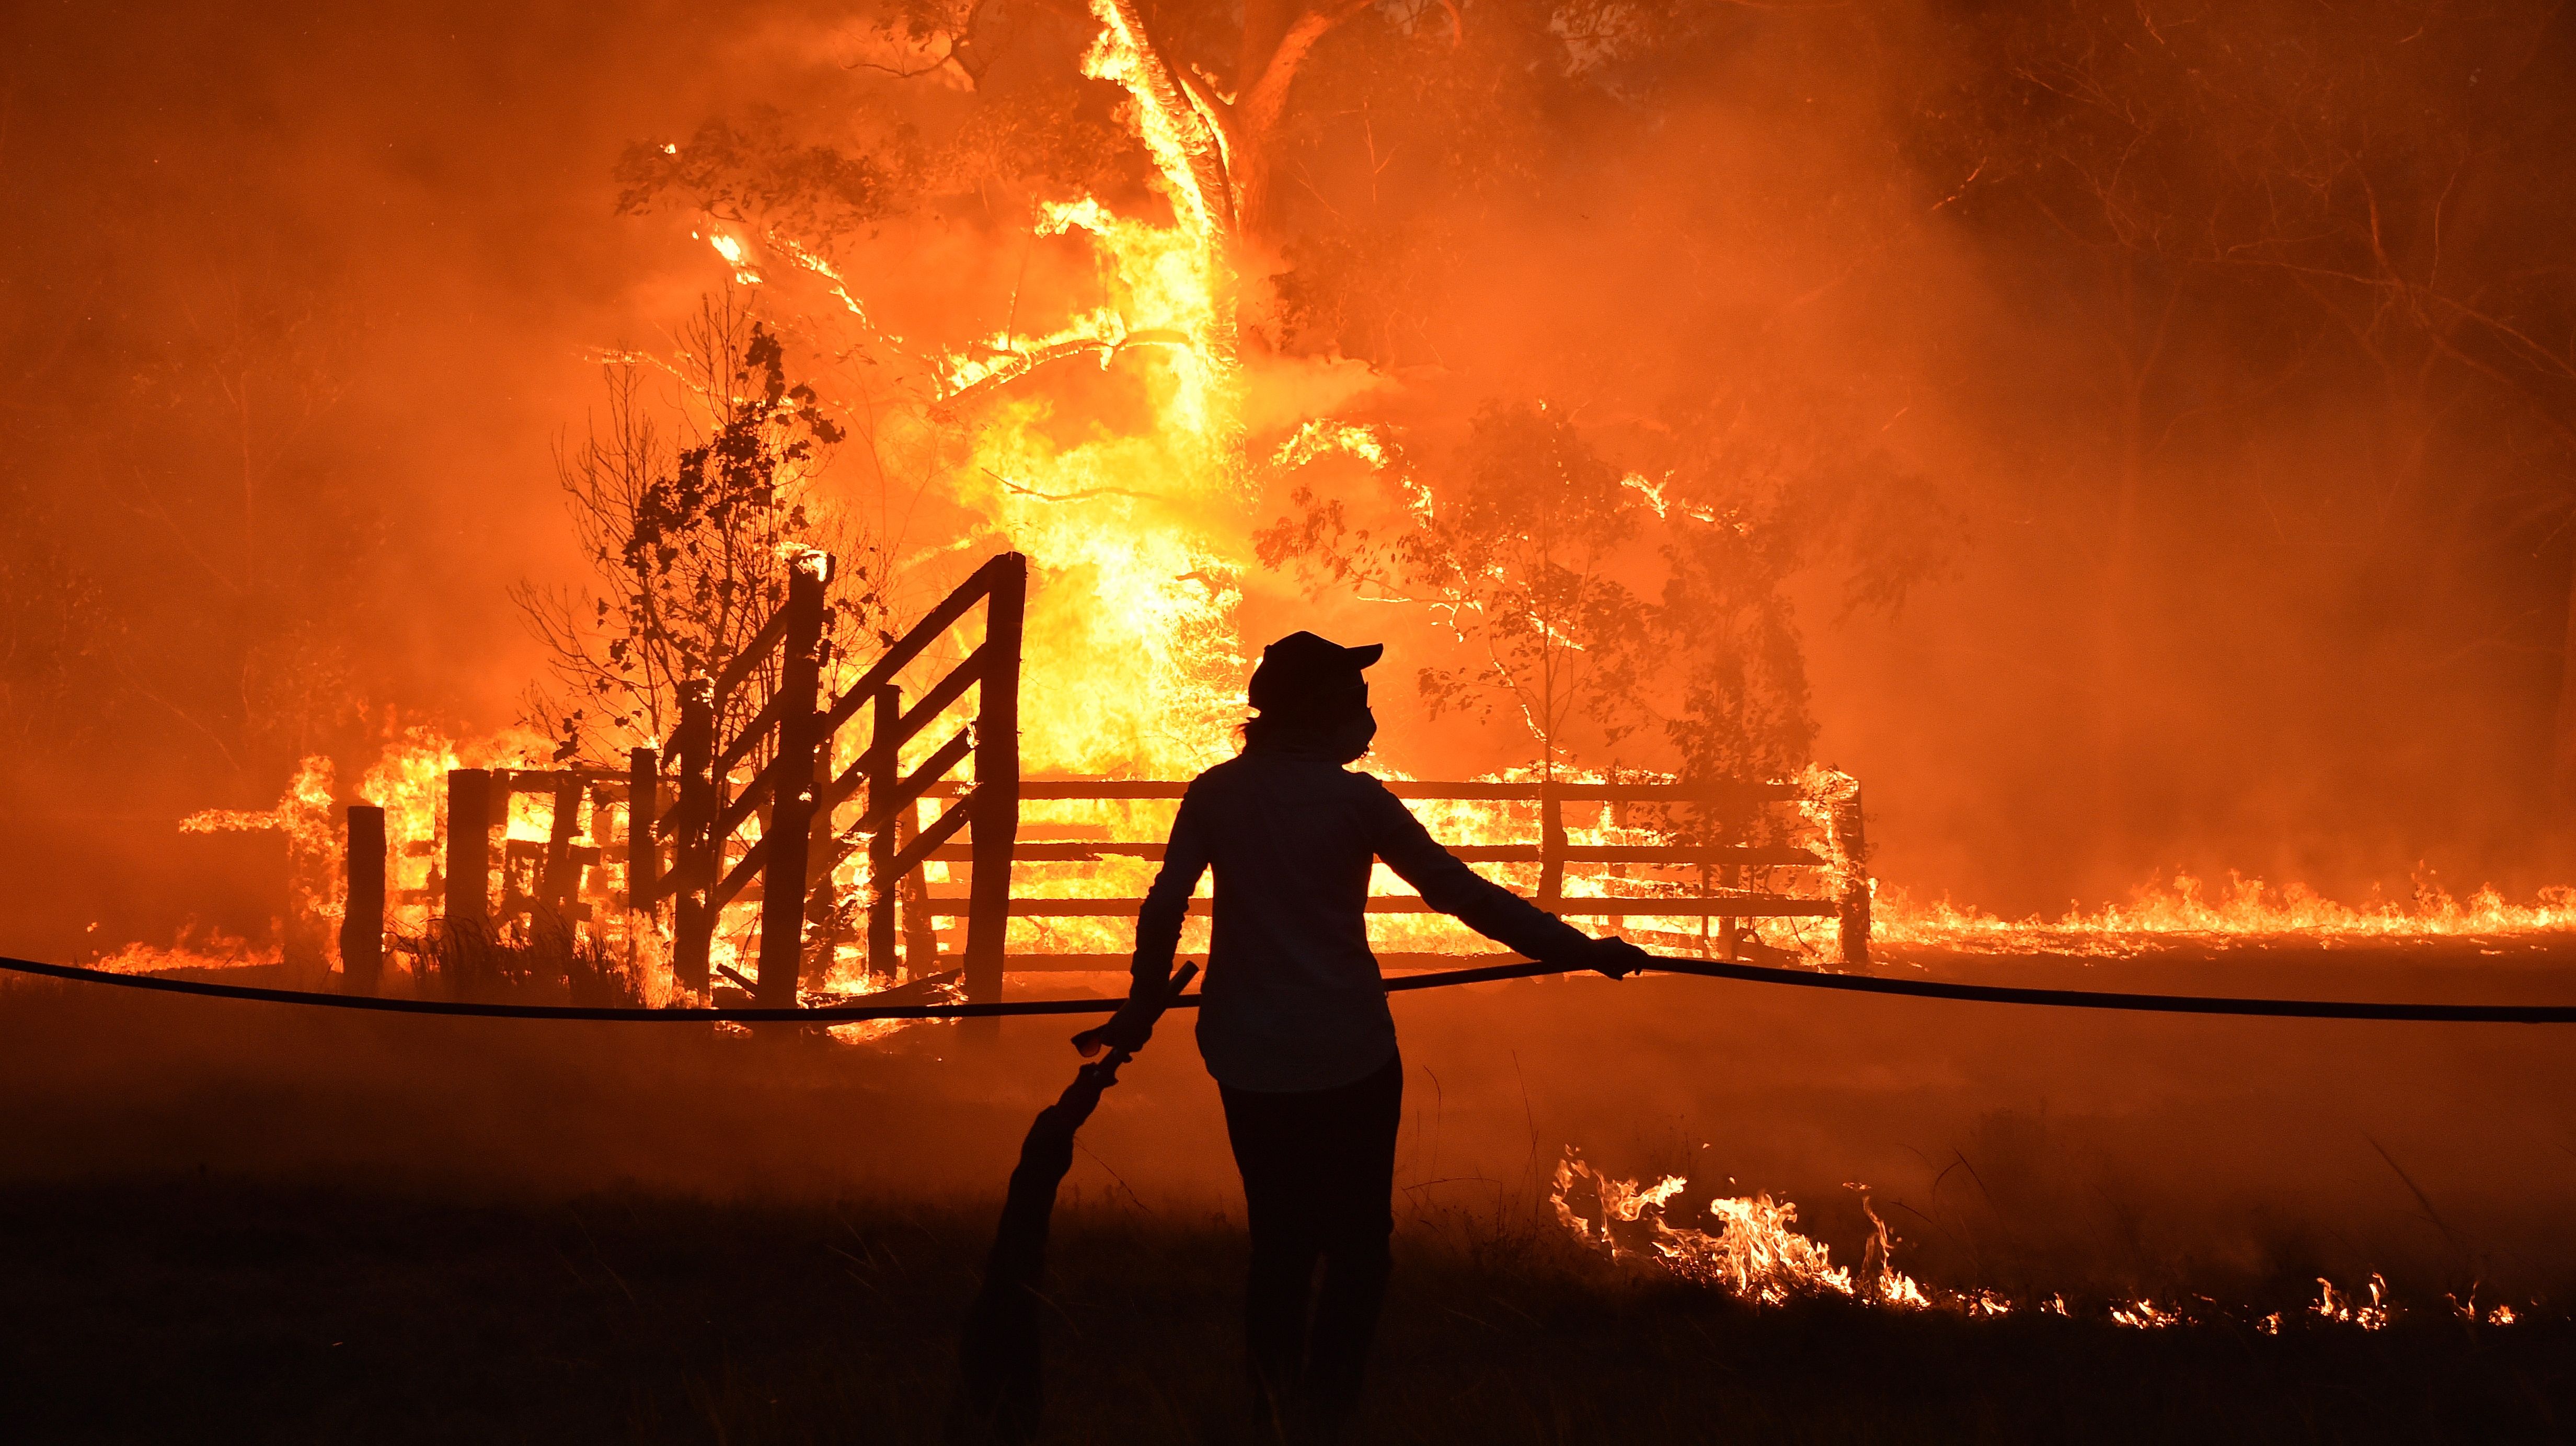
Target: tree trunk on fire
{"x":1278,"y":36}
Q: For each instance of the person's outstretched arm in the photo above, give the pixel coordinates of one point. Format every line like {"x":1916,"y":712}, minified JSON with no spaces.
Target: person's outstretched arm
{"x":1158,"y":928}
{"x":1487,"y":907}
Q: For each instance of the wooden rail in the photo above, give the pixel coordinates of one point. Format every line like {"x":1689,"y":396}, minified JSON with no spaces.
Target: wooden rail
{"x":1838,"y":859}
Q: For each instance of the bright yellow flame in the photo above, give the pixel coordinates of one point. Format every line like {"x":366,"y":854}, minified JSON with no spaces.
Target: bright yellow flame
{"x":2243,"y":907}
{"x":1138,"y":537}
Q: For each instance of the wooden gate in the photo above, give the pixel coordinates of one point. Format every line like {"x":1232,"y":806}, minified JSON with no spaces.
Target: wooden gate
{"x":692,"y":854}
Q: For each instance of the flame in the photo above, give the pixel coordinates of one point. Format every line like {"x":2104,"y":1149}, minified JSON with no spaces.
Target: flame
{"x":1140,"y":538}
{"x":197,"y":947}
{"x":2243,"y":908}
{"x":735,"y":255}
{"x":2144,"y":1315}
{"x":2344,"y":1309}
{"x":409,"y":781}
{"x":316,"y":887}
{"x":1757,"y":1254}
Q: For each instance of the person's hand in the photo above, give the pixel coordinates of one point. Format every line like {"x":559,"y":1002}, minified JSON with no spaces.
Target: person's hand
{"x":1128,"y":1029}
{"x":1618,"y":958}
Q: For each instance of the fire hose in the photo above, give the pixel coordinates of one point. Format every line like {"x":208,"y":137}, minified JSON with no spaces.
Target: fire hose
{"x":2210,"y":1004}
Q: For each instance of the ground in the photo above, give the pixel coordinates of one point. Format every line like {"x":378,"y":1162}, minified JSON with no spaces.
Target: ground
{"x":206,"y":1309}
{"x":230,"y":1221}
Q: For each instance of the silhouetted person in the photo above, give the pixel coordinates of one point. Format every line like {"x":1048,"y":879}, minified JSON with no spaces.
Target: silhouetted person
{"x":1294,"y":1023}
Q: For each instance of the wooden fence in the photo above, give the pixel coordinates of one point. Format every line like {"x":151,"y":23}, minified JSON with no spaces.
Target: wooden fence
{"x":686,"y":808}
{"x":1720,"y":868}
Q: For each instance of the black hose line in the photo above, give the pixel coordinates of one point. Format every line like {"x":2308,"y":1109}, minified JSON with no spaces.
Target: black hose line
{"x":1703,"y":968}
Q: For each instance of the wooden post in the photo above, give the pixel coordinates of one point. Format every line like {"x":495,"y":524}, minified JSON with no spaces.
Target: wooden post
{"x":920,"y":940}
{"x":362,"y":927}
{"x":1616,"y":926}
{"x":826,"y":922}
{"x":884,"y":772}
{"x":559,"y":878}
{"x":824,"y":914}
{"x":468,"y":906}
{"x":1551,"y":849}
{"x":695,"y":851}
{"x":1706,"y":924}
{"x":643,"y":805}
{"x":1733,"y":929}
{"x":1854,"y":853}
{"x":996,"y":820}
{"x":785,"y":837}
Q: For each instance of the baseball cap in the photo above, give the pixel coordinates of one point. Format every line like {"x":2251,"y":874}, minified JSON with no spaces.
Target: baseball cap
{"x":1304,"y":674}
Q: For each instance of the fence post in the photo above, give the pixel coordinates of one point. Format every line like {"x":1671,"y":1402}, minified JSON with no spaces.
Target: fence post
{"x":468,"y":906}
{"x":695,"y":850}
{"x":362,"y":926}
{"x":824,"y":914}
{"x":785,"y":838}
{"x":643,"y":859}
{"x":912,"y":898}
{"x":1733,"y":936}
{"x":643,"y":806}
{"x":884,"y":773}
{"x":561,"y":878}
{"x":1551,"y":849}
{"x":1854,"y":852}
{"x":996,"y":821}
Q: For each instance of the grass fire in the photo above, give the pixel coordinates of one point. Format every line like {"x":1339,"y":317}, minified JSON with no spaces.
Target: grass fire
{"x":1842,"y":722}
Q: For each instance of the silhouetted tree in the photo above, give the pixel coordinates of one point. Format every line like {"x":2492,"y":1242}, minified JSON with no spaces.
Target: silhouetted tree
{"x":1623,"y":620}
{"x":689,"y":539}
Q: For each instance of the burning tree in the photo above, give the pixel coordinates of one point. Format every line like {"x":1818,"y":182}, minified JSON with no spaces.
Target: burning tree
{"x":1625,"y":619}
{"x":1523,"y":561}
{"x":1181,"y":239}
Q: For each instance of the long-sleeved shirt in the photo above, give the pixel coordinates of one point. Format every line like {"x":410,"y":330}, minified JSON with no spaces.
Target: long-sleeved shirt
{"x":1293,"y":1000}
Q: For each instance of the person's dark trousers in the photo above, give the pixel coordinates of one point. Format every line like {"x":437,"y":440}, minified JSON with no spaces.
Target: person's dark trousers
{"x":1318,"y":1173}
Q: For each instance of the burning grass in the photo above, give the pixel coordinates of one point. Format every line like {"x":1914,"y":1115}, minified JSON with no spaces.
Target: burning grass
{"x":191,"y":1307}
{"x":1752,"y":1251}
